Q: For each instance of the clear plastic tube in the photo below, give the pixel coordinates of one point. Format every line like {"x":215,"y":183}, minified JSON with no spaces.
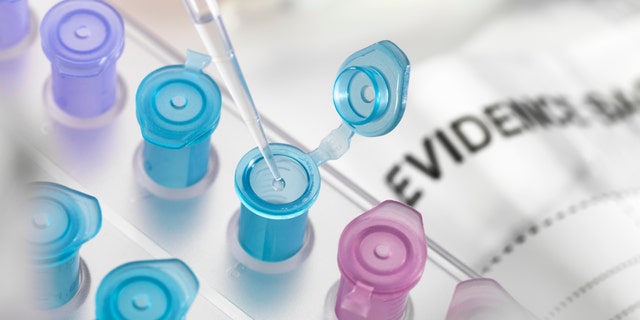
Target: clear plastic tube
{"x":208,"y":22}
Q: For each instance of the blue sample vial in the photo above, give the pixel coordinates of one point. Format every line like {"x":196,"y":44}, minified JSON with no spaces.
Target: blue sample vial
{"x":62,"y":220}
{"x":273,"y":222}
{"x":178,"y":108}
{"x":15,"y":22}
{"x":147,"y":290}
{"x":83,"y":39}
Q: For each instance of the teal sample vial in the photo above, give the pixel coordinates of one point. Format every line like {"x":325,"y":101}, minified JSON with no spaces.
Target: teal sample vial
{"x":272,"y":225}
{"x":271,"y":233}
{"x":178,"y":108}
{"x":61,"y":221}
{"x":147,"y":290}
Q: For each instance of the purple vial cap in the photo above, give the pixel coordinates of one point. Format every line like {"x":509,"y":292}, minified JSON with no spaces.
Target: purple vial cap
{"x":385,"y":248}
{"x":82,"y":37}
{"x":14,"y":22}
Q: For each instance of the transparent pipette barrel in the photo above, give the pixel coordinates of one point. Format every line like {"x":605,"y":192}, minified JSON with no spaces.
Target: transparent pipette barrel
{"x":208,"y":23}
{"x":14,"y":22}
{"x":272,"y":223}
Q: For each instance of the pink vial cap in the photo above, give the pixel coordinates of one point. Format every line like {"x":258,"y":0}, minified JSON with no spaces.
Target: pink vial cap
{"x":384,"y":249}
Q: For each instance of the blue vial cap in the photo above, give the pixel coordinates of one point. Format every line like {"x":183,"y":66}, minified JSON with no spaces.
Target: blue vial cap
{"x":147,"y":290}
{"x":82,"y":37}
{"x":62,"y":220}
{"x":370,"y":91}
{"x":177,"y":105}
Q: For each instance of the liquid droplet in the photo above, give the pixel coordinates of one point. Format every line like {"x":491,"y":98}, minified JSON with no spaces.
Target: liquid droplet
{"x":278,"y":184}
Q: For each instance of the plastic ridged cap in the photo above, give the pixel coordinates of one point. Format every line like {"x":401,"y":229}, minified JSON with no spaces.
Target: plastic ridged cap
{"x":177,"y":105}
{"x":62,"y":220}
{"x":14,"y":22}
{"x":385,"y":248}
{"x":147,"y":290}
{"x":484,"y":299}
{"x":370,"y":91}
{"x":82,"y":37}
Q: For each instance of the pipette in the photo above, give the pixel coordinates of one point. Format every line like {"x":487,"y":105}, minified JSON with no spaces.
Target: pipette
{"x":208,"y":22}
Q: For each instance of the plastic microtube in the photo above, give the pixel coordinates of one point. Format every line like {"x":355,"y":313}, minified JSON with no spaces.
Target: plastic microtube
{"x":484,"y":299}
{"x":15,"y":22}
{"x":61,"y":221}
{"x":272,"y":223}
{"x":370,"y":96}
{"x":83,"y":40}
{"x":147,"y":290}
{"x":381,"y":256}
{"x":178,"y":108}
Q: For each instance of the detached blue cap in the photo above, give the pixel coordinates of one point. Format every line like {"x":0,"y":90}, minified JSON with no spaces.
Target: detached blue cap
{"x":370,"y":91}
{"x":62,"y":220}
{"x":179,"y":104}
{"x":147,"y":290}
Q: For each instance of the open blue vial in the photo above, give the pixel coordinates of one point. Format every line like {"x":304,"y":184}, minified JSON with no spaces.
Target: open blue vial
{"x":272,"y":223}
{"x":61,"y":221}
{"x":273,"y":234}
{"x":147,"y":290}
{"x":178,"y":108}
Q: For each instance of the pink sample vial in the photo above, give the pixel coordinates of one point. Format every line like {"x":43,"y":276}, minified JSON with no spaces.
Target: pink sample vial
{"x":484,"y":299}
{"x":381,"y":256}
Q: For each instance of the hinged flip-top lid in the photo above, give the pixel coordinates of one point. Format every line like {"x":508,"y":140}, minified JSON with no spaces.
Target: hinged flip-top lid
{"x":370,"y":91}
{"x":370,"y":95}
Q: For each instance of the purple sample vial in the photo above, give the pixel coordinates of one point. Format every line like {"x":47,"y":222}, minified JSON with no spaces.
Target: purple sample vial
{"x":381,"y":256}
{"x":15,"y":22}
{"x":83,"y":40}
